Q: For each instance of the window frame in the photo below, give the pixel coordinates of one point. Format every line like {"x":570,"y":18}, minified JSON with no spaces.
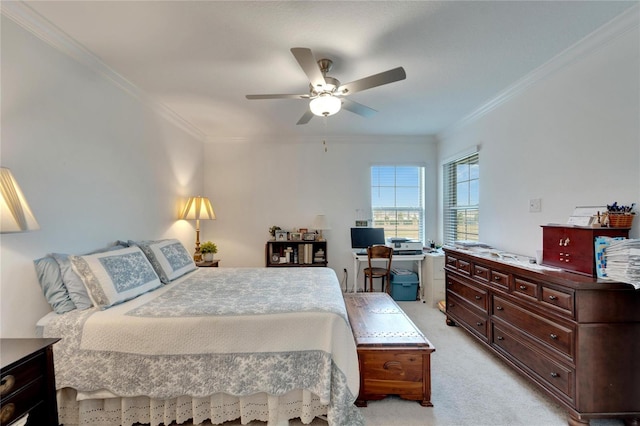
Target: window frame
{"x":466,"y":225}
{"x":420,"y":210}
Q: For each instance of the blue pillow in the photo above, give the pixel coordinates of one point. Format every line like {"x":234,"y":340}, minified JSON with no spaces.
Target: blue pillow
{"x":52,"y":285}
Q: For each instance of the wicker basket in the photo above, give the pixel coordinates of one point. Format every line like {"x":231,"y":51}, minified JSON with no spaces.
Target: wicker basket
{"x":620,"y":220}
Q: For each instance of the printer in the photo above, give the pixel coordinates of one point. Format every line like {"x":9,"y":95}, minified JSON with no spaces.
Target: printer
{"x":404,"y":246}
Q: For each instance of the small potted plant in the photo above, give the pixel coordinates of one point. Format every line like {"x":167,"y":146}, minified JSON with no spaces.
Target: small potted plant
{"x":208,"y":249}
{"x":273,"y":229}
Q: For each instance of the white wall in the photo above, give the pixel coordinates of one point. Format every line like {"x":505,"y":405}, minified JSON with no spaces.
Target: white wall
{"x":571,"y":139}
{"x":254,"y":184}
{"x":95,"y":164}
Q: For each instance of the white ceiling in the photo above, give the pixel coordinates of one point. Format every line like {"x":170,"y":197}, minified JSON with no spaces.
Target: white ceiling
{"x":200,"y":58}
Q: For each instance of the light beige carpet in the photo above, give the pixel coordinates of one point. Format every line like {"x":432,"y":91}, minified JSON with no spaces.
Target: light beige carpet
{"x":470,"y":386}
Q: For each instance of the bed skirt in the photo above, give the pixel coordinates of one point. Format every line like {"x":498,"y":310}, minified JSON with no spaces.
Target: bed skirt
{"x":75,"y":409}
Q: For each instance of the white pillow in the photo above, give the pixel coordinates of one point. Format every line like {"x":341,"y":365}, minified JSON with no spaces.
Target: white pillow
{"x":116,"y":276}
{"x":168,"y":257}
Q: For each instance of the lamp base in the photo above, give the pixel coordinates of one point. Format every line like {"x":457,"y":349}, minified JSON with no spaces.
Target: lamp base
{"x":197,"y":256}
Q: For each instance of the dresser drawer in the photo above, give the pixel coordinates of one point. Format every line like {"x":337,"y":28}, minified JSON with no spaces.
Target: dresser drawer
{"x":544,"y":330}
{"x":500,"y":280}
{"x":470,"y":293}
{"x":481,"y":273}
{"x":14,"y":379}
{"x":552,"y":373}
{"x":20,"y":402}
{"x":525,"y":288}
{"x":392,"y":372}
{"x":458,"y":310}
{"x":559,"y":300}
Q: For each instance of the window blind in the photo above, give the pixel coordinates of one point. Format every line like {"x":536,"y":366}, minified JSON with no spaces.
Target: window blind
{"x":461,"y":199}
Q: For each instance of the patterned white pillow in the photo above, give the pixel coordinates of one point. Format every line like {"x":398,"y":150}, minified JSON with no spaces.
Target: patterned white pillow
{"x":116,"y":276}
{"x":168,"y":257}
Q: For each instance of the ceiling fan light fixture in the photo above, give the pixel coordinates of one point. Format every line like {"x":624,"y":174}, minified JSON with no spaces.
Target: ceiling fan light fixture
{"x":325,"y":105}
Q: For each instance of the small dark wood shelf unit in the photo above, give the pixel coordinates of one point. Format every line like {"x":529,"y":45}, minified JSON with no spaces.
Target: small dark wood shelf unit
{"x":296,"y":253}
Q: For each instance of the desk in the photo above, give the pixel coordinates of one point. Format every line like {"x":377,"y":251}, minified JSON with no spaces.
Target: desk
{"x":418,"y":258}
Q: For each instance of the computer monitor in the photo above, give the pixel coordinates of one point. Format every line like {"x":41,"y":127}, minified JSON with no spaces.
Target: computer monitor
{"x":361,"y":238}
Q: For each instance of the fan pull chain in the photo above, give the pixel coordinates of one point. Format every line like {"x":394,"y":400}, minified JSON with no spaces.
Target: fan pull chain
{"x":324,"y":141}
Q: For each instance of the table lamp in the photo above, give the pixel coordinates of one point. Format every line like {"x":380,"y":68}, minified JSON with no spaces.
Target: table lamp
{"x":198,"y":208}
{"x":321,"y":223}
{"x":15,"y":214}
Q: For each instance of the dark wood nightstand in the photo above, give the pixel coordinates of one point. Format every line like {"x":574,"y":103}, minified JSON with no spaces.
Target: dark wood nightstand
{"x":27,"y":382}
{"x":210,"y":264}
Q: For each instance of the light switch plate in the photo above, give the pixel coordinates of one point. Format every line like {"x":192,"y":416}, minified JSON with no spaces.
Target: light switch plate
{"x":535,"y":205}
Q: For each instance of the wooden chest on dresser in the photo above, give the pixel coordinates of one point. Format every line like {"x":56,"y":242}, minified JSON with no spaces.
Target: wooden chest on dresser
{"x":576,"y":338}
{"x":572,"y":247}
{"x":394,"y":355}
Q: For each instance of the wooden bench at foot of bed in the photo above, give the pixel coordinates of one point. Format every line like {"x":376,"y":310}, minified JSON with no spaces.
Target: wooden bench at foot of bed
{"x":394,"y":355}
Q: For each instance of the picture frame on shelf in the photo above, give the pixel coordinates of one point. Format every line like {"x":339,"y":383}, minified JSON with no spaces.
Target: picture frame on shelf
{"x":309,"y":236}
{"x":303,"y":230}
{"x":281,"y":235}
{"x":295,"y":236}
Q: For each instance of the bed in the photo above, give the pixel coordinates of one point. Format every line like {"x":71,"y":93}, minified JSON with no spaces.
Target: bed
{"x":265,"y":344}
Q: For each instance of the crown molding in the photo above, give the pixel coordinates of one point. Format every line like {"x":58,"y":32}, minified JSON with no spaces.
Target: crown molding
{"x":30,"y":20}
{"x":610,"y":31}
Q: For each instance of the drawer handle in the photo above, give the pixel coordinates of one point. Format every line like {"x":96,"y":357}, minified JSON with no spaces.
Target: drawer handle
{"x":500,"y":338}
{"x":523,"y":287}
{"x":7,"y":411}
{"x":451,"y":305}
{"x":6,"y":384}
{"x":496,"y":278}
{"x":479,"y":324}
{"x":478,"y":297}
{"x":554,"y":374}
{"x":392,"y":365}
{"x":554,"y":336}
{"x":499,"y":308}
{"x":552,"y":297}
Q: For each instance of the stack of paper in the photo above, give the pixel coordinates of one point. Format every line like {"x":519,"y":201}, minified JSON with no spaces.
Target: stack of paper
{"x":623,"y":261}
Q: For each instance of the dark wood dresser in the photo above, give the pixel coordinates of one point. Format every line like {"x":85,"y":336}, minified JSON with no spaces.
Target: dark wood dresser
{"x":393,"y":354}
{"x":575,"y":337}
{"x":27,"y":383}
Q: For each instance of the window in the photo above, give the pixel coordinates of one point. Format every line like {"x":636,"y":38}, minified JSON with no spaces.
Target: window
{"x":461,"y":199}
{"x":397,"y":200}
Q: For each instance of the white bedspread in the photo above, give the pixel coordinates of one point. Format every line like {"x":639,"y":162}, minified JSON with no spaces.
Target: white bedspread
{"x":239,"y":331}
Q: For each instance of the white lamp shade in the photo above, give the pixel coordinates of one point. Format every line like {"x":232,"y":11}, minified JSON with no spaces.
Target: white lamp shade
{"x":198,"y":208}
{"x":15,"y":214}
{"x":325,"y":104}
{"x":321,"y":223}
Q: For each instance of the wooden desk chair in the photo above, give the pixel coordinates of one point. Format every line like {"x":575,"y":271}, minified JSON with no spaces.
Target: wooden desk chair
{"x":378,"y":252}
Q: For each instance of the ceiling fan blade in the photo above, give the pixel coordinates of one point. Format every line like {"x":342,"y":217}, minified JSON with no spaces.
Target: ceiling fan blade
{"x":375,"y":80}
{"x":277,"y":96}
{"x":306,"y":117}
{"x":357,"y":108}
{"x":309,"y":65}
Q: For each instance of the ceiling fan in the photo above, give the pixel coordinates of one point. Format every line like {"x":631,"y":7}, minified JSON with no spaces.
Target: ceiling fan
{"x":326,"y":94}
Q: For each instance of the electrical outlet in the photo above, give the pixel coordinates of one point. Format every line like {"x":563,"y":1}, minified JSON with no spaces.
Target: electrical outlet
{"x":535,"y":205}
